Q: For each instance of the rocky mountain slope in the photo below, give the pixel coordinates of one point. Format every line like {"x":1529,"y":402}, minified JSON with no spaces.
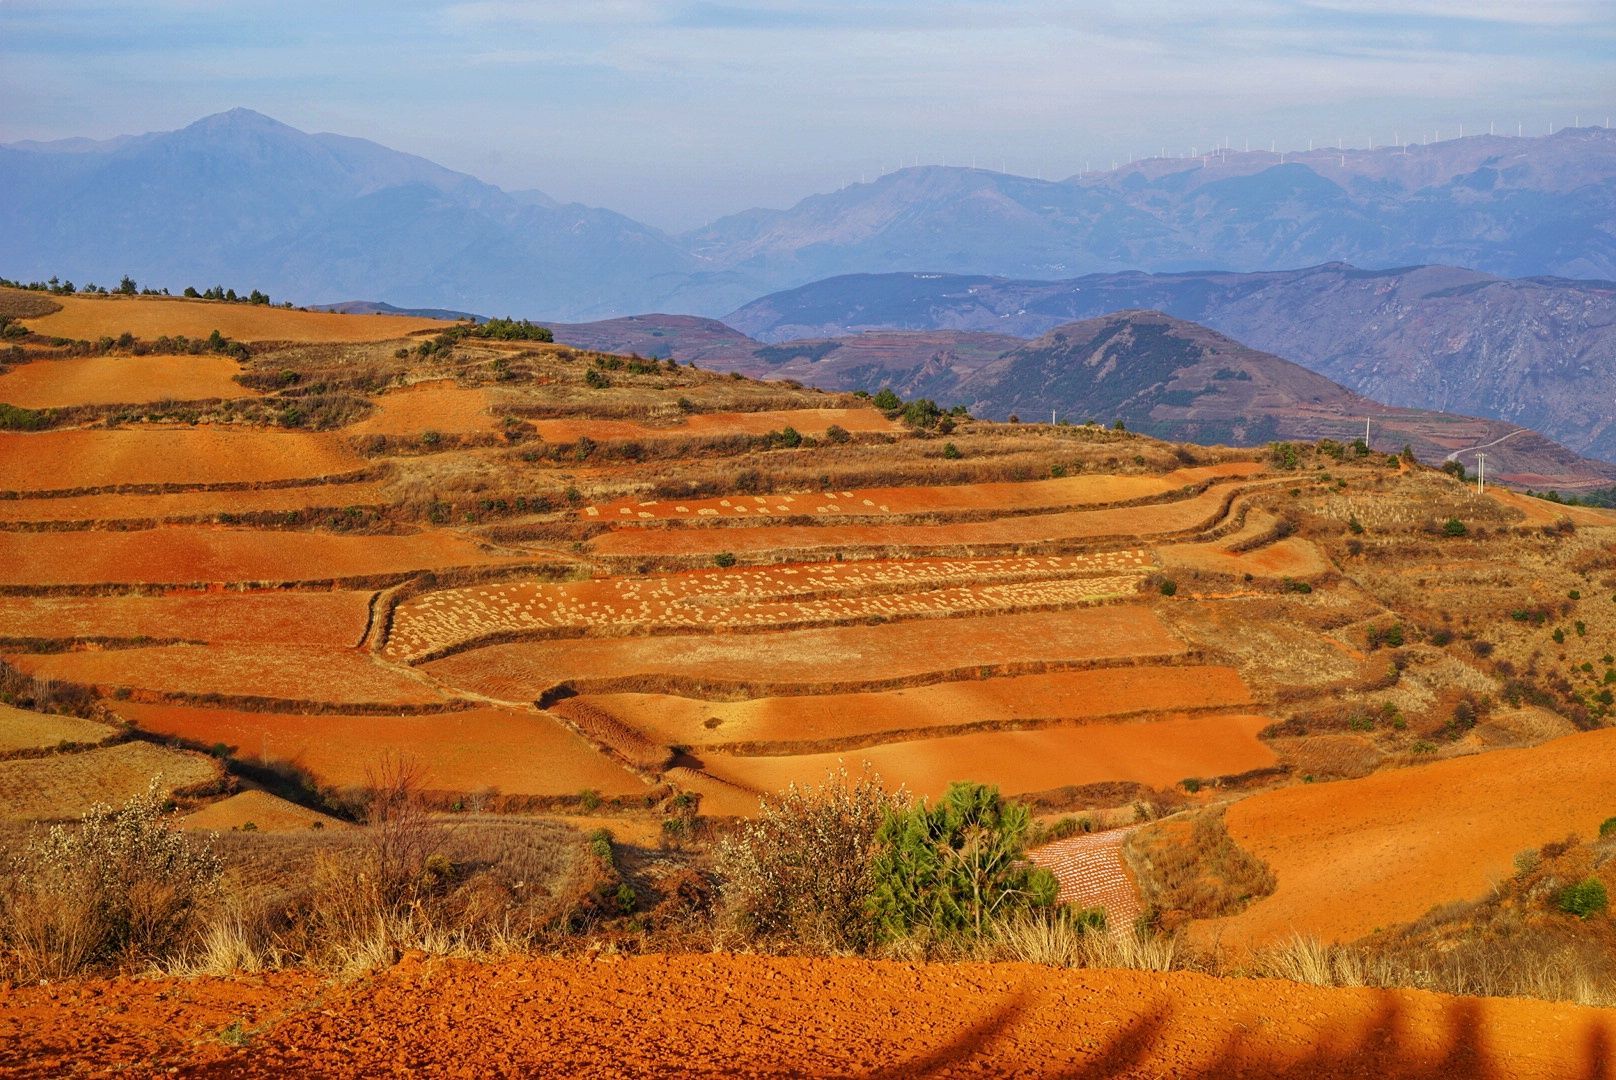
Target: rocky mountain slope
{"x":1537,"y":352}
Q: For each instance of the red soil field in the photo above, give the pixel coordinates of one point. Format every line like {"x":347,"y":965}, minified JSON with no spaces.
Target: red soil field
{"x":1066,"y":695}
{"x":83,"y":458}
{"x":308,"y":618}
{"x":183,"y":554}
{"x":806,"y":421}
{"x":762,"y":597}
{"x":1158,"y":753}
{"x":722,"y":1015}
{"x":1543,"y":512}
{"x":150,"y":317}
{"x":512,"y":751}
{"x":439,"y":406}
{"x":121,"y":380}
{"x":291,"y":672}
{"x":1291,"y":557}
{"x":191,"y":504}
{"x":520,"y":671}
{"x":1030,"y":529}
{"x":1067,"y":491}
{"x":1354,"y":855}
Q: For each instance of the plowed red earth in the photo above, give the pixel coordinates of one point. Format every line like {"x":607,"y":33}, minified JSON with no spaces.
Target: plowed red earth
{"x":121,"y":380}
{"x":515,"y":753}
{"x":310,"y":618}
{"x":439,"y":406}
{"x":1354,"y":855}
{"x":718,"y":1015}
{"x":86,"y":458}
{"x":191,"y":504}
{"x":184,"y":554}
{"x":150,"y":316}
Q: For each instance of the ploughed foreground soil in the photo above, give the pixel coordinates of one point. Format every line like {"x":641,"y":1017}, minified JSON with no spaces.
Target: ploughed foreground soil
{"x":727,"y":1015}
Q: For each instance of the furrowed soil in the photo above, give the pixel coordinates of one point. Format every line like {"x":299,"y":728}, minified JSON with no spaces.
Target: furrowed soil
{"x":191,"y":505}
{"x":72,"y":459}
{"x":431,"y":406}
{"x":715,"y":1014}
{"x":512,"y":752}
{"x":1156,"y":753}
{"x":813,"y":658}
{"x":1355,"y":855}
{"x":1069,"y":696}
{"x":150,"y":317}
{"x":121,"y":380}
{"x":251,"y":670}
{"x":184,"y":554}
{"x":311,"y":618}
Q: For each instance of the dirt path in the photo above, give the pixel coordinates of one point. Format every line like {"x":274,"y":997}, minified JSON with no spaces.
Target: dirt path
{"x":722,"y":1015}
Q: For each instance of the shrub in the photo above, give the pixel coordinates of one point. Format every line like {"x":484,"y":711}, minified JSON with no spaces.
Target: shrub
{"x":952,"y":869}
{"x":1583,"y":899}
{"x":1454,"y":527}
{"x":802,"y":870}
{"x":886,"y":400}
{"x":951,"y":452}
{"x":13,"y":418}
{"x":596,"y":379}
{"x":1607,"y":827}
{"x":1168,"y":587}
{"x":123,"y":885}
{"x":724,"y":558}
{"x":836,"y":433}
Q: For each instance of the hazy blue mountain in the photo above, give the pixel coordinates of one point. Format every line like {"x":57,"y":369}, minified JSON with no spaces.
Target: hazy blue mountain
{"x":241,"y":199}
{"x":1539,"y":352}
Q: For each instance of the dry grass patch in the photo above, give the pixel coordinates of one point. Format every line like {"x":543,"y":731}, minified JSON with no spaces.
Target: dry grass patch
{"x":24,"y":730}
{"x":67,"y":786}
{"x":1190,"y":868}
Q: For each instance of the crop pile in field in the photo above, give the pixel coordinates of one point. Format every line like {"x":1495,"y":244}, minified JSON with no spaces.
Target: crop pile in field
{"x":1155,"y":519}
{"x":1000,"y":497}
{"x":24,"y":730}
{"x":1092,"y":874}
{"x":764,"y":597}
{"x":150,"y":317}
{"x":121,"y":380}
{"x":504,"y":751}
{"x":67,"y":785}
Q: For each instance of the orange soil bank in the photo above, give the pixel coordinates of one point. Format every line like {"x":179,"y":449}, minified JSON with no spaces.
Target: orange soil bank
{"x":84,"y":458}
{"x":1067,"y":695}
{"x":1067,"y":491}
{"x":439,"y":406}
{"x":808,"y":657}
{"x":720,"y":1015}
{"x":1156,"y":753}
{"x":121,"y":380}
{"x":806,"y":421}
{"x":183,"y":554}
{"x":510,"y":751}
{"x":1543,"y":512}
{"x":291,"y":672}
{"x":1357,"y":854}
{"x":308,"y":618}
{"x":1157,"y":518}
{"x":191,"y":504}
{"x":150,"y":317}
{"x":1292,"y":557}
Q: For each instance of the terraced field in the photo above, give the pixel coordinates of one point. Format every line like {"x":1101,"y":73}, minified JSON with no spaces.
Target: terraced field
{"x":469,"y":555}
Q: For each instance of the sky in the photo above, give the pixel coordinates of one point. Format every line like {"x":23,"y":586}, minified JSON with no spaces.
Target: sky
{"x":679,"y":111}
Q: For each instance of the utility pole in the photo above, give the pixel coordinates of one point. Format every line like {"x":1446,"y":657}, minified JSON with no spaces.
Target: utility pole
{"x":1481,"y":472}
{"x":1366,"y":432}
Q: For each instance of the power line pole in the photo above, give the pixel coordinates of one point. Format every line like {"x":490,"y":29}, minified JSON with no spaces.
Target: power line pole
{"x":1481,"y":472}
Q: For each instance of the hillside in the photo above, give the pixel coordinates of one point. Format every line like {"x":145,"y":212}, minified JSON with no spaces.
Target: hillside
{"x":1162,"y":375}
{"x":1539,"y":353}
{"x":319,"y":217}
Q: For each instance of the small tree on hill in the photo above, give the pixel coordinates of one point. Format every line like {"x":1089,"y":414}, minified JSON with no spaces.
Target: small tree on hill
{"x":886,"y":400}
